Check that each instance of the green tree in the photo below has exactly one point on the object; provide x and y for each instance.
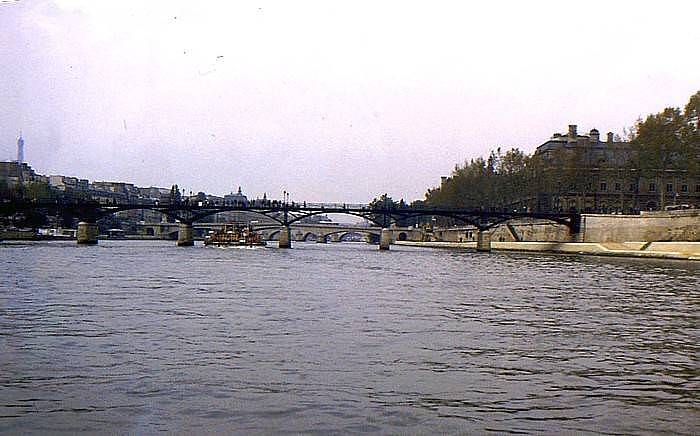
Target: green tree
(494, 182)
(382, 202)
(690, 133)
(660, 146)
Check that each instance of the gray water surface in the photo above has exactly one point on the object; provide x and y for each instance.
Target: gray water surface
(141, 337)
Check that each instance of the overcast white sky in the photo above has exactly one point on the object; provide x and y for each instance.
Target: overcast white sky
(331, 101)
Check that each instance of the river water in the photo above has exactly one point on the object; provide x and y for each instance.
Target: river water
(141, 337)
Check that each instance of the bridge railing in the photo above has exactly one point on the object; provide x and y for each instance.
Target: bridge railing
(292, 207)
(337, 205)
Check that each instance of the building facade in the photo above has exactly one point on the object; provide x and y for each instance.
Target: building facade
(14, 174)
(584, 174)
(66, 183)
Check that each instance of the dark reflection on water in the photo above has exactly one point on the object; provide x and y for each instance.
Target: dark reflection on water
(139, 337)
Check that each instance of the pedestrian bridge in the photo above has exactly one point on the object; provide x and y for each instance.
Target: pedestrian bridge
(288, 219)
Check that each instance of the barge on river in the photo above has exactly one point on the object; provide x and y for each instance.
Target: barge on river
(235, 235)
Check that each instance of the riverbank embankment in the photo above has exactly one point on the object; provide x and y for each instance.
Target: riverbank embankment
(659, 250)
(680, 226)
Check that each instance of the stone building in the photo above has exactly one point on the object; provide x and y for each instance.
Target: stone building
(240, 199)
(586, 174)
(66, 183)
(13, 174)
(236, 199)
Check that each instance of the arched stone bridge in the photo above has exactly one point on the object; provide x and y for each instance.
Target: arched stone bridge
(299, 232)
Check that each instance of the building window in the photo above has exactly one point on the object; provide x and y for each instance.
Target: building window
(669, 187)
(652, 187)
(684, 188)
(603, 186)
(618, 187)
(633, 187)
(697, 188)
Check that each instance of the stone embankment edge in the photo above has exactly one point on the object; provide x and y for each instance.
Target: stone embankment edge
(657, 250)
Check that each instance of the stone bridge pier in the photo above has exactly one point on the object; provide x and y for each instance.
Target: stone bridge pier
(185, 235)
(87, 233)
(285, 238)
(575, 229)
(483, 240)
(385, 239)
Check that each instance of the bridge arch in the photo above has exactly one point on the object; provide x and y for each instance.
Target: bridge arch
(316, 235)
(273, 236)
(178, 212)
(494, 219)
(344, 232)
(365, 215)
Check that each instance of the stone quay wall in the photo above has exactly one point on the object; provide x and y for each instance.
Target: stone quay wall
(649, 227)
(681, 225)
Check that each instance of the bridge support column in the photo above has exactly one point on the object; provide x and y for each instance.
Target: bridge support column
(320, 239)
(483, 240)
(576, 230)
(576, 237)
(285, 239)
(385, 239)
(185, 235)
(87, 233)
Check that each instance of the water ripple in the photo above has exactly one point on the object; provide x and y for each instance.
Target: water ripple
(142, 337)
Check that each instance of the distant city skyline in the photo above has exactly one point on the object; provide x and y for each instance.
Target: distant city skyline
(330, 102)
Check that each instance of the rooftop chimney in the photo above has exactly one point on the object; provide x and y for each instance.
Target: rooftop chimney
(595, 135)
(572, 132)
(610, 137)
